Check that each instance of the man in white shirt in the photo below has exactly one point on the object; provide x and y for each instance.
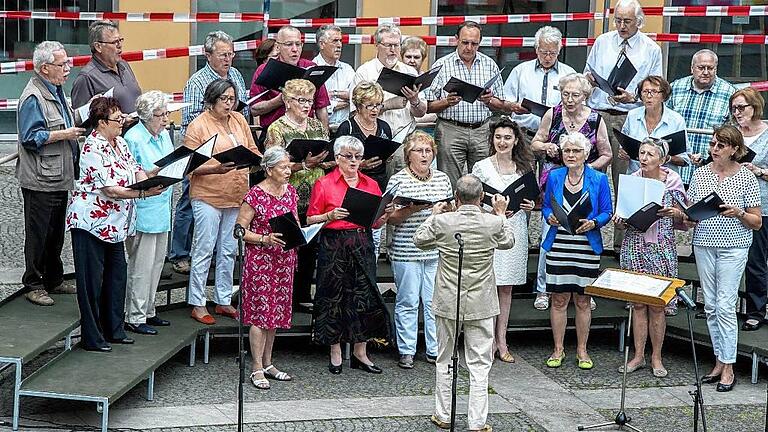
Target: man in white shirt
(537, 79)
(627, 42)
(339, 84)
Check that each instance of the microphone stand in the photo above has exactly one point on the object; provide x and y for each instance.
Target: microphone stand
(698, 398)
(455, 357)
(239, 234)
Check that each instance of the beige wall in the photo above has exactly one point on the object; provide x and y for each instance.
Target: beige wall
(392, 8)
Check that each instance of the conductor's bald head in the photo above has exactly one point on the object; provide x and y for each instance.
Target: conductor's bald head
(469, 190)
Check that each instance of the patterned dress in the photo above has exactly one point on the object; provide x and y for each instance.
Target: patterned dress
(557, 128)
(267, 282)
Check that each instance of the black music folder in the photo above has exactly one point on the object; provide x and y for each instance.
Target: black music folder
(707, 207)
(299, 149)
(570, 220)
(378, 146)
(200, 155)
(406, 201)
(749, 157)
(240, 155)
(468, 92)
(535, 108)
(276, 73)
(677, 143)
(393, 81)
(365, 208)
(167, 176)
(292, 234)
(526, 187)
(645, 217)
(620, 76)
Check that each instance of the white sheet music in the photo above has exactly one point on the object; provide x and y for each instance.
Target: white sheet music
(631, 283)
(635, 192)
(85, 110)
(401, 134)
(207, 148)
(175, 169)
(311, 231)
(176, 106)
(250, 101)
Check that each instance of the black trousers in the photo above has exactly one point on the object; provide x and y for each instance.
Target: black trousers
(100, 272)
(757, 273)
(306, 259)
(44, 214)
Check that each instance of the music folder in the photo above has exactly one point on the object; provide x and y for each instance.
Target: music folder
(365, 208)
(292, 234)
(620, 76)
(200, 155)
(299, 149)
(535, 108)
(276, 73)
(676, 141)
(378, 146)
(393, 81)
(468, 92)
(749, 157)
(645, 217)
(569, 221)
(240, 155)
(707, 207)
(526, 187)
(407, 201)
(167, 176)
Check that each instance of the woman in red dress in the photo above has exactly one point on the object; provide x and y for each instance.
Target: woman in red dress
(267, 278)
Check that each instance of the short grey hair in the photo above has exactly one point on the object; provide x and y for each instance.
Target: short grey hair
(577, 139)
(639, 14)
(322, 32)
(216, 36)
(44, 53)
(548, 35)
(148, 102)
(386, 28)
(347, 142)
(469, 189)
(579, 79)
(273, 156)
(701, 53)
(96, 32)
(286, 29)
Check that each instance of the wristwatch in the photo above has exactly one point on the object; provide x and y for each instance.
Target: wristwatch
(595, 221)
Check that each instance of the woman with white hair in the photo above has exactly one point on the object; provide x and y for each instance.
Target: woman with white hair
(267, 280)
(348, 305)
(573, 260)
(148, 141)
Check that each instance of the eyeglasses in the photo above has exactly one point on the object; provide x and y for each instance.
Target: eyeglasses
(67, 64)
(114, 42)
(371, 107)
(424, 151)
(225, 55)
(119, 120)
(302, 101)
(390, 45)
(225, 98)
(717, 145)
(650, 92)
(626, 21)
(351, 157)
(162, 114)
(702, 68)
(739, 108)
(565, 95)
(573, 150)
(469, 43)
(547, 53)
(296, 44)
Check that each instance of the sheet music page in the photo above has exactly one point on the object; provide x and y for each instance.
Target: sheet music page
(176, 106)
(207, 148)
(635, 192)
(175, 169)
(631, 283)
(311, 231)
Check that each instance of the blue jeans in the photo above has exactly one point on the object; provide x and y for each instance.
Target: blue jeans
(415, 280)
(183, 226)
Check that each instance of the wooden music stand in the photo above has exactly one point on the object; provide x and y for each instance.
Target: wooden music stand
(631, 287)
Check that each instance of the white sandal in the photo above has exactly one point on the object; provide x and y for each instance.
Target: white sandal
(259, 383)
(280, 376)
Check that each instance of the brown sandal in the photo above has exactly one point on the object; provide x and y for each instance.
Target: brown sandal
(506, 357)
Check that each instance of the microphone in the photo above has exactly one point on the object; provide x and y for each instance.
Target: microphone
(457, 236)
(239, 232)
(690, 304)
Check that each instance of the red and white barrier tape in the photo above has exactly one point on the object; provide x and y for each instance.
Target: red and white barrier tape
(213, 17)
(12, 104)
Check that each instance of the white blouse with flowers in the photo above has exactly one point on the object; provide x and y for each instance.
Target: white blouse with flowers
(109, 219)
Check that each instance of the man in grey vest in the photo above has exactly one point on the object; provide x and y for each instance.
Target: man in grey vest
(46, 168)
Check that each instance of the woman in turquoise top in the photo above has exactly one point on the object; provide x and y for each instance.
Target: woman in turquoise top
(148, 141)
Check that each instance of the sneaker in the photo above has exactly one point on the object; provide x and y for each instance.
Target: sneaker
(592, 304)
(66, 287)
(406, 361)
(181, 266)
(39, 297)
(542, 301)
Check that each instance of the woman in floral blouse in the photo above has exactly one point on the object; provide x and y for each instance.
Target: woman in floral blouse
(100, 215)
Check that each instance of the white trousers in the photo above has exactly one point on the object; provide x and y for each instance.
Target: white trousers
(146, 254)
(213, 229)
(478, 356)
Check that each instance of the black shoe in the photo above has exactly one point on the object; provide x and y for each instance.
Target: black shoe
(103, 348)
(700, 315)
(158, 322)
(710, 379)
(751, 327)
(140, 329)
(722, 388)
(332, 368)
(355, 363)
(123, 341)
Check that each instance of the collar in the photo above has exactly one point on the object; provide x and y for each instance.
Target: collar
(103, 68)
(209, 70)
(54, 89)
(664, 116)
(458, 60)
(469, 208)
(554, 66)
(320, 61)
(631, 42)
(141, 134)
(711, 88)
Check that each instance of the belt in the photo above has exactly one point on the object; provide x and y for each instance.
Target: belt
(462, 124)
(613, 112)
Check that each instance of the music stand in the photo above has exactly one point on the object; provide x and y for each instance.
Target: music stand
(631, 287)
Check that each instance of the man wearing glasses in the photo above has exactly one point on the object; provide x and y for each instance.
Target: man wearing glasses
(702, 99)
(46, 168)
(537, 79)
(338, 85)
(270, 106)
(106, 69)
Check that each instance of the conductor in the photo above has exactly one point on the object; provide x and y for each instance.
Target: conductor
(482, 234)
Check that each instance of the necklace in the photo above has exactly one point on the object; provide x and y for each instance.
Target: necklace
(570, 119)
(512, 165)
(568, 177)
(370, 129)
(302, 125)
(421, 178)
